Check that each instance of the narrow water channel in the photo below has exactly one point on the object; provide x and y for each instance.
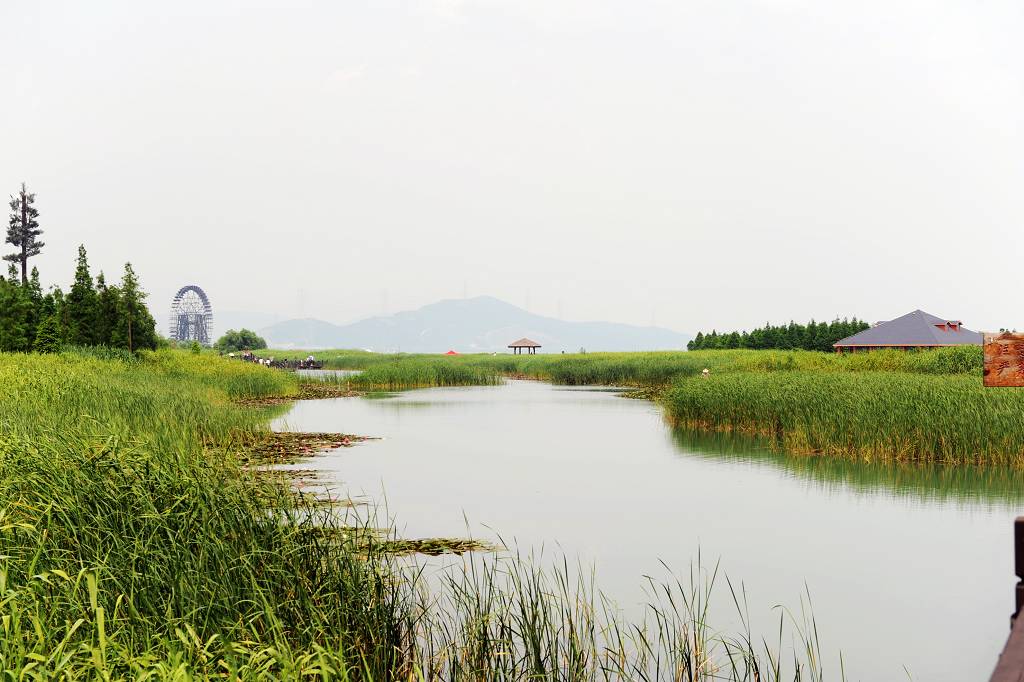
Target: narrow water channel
(910, 570)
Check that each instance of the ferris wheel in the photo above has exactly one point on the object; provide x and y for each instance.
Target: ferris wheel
(191, 316)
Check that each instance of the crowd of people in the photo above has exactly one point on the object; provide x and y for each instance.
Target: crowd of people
(310, 362)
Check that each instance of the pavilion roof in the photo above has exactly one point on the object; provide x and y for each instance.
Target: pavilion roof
(916, 328)
(524, 343)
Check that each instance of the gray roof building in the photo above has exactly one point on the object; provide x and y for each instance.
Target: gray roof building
(913, 330)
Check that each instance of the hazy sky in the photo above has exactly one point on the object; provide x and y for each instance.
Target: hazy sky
(701, 164)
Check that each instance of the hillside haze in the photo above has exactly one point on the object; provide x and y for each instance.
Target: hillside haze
(473, 325)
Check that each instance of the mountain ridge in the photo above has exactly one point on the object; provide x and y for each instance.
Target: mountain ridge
(479, 324)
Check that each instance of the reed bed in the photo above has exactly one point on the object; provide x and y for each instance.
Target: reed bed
(134, 545)
(894, 416)
(421, 372)
(659, 369)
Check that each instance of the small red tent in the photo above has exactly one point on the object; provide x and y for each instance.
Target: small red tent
(451, 352)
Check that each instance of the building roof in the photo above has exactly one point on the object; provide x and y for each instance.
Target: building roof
(914, 329)
(524, 343)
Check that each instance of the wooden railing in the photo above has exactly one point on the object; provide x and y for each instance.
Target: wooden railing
(1010, 667)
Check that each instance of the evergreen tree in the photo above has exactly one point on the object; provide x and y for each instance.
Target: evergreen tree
(14, 314)
(53, 305)
(108, 304)
(813, 336)
(135, 328)
(81, 305)
(34, 293)
(48, 335)
(23, 231)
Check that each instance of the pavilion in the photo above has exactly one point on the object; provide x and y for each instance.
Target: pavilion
(524, 344)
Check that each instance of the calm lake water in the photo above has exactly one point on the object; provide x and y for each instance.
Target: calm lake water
(907, 568)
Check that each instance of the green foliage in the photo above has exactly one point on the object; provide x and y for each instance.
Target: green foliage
(195, 348)
(133, 328)
(15, 317)
(418, 372)
(107, 301)
(898, 416)
(244, 339)
(48, 337)
(23, 231)
(817, 336)
(82, 305)
(93, 313)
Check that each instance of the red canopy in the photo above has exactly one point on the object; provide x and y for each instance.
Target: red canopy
(451, 352)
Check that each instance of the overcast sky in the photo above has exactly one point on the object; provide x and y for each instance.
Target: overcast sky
(698, 164)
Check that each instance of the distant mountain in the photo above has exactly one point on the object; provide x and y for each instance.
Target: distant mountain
(223, 320)
(481, 324)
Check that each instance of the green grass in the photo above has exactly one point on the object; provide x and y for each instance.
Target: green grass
(132, 541)
(655, 369)
(135, 545)
(899, 416)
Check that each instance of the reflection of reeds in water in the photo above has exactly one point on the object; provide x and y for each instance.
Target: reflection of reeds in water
(973, 484)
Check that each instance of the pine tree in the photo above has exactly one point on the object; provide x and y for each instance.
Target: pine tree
(135, 328)
(108, 304)
(14, 312)
(23, 231)
(80, 306)
(34, 293)
(48, 336)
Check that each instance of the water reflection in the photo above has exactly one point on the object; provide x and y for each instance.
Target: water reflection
(970, 485)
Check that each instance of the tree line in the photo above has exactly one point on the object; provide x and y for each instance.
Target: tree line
(91, 313)
(811, 336)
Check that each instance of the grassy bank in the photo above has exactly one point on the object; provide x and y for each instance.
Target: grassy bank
(653, 369)
(136, 546)
(895, 416)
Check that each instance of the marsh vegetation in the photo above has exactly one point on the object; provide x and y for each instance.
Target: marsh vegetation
(137, 543)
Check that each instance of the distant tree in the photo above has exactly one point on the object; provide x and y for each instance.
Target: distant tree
(195, 348)
(244, 339)
(14, 317)
(813, 336)
(135, 328)
(108, 303)
(34, 293)
(48, 336)
(81, 305)
(23, 231)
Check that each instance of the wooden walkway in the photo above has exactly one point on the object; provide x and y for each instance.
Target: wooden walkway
(1010, 667)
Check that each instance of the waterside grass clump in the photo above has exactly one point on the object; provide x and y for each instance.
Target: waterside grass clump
(133, 544)
(646, 369)
(895, 416)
